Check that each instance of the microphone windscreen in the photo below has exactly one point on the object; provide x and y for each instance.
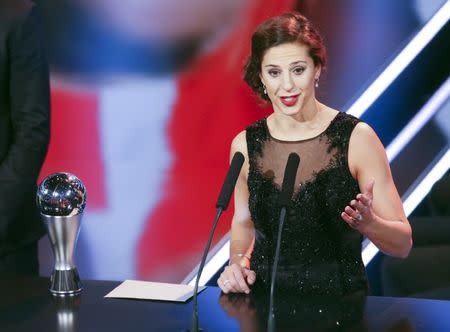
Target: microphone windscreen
(287, 188)
(230, 181)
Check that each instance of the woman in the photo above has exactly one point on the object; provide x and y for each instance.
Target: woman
(344, 188)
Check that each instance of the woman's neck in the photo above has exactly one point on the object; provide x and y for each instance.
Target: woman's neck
(309, 117)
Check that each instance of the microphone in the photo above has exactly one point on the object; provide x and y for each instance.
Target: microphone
(230, 181)
(287, 189)
(221, 205)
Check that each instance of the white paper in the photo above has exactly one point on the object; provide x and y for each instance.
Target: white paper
(147, 290)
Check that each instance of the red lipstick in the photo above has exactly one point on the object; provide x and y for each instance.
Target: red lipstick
(289, 100)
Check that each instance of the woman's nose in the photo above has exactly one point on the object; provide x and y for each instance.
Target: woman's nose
(288, 82)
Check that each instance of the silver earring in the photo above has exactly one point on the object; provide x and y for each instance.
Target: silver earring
(316, 83)
(264, 89)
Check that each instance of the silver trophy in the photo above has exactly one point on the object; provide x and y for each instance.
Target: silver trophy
(61, 198)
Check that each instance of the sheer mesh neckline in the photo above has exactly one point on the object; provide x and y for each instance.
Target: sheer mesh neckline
(304, 139)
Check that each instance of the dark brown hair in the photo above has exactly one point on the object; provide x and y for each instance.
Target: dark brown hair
(286, 28)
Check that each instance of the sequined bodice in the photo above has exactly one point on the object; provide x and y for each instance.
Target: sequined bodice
(320, 254)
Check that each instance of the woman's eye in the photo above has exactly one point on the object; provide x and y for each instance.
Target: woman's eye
(299, 70)
(273, 73)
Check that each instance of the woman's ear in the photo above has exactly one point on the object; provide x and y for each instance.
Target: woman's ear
(317, 70)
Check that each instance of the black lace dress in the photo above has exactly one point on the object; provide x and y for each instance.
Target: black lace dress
(320, 254)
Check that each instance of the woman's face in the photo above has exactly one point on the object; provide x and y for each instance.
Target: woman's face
(288, 72)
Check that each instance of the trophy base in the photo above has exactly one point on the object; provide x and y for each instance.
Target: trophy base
(65, 283)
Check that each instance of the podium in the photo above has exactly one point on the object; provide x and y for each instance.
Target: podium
(26, 305)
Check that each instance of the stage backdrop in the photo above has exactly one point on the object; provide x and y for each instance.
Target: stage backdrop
(146, 98)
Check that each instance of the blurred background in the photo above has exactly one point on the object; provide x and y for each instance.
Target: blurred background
(148, 94)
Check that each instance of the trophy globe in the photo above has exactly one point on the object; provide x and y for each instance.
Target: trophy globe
(61, 199)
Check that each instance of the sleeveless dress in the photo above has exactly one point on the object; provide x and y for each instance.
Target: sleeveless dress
(319, 254)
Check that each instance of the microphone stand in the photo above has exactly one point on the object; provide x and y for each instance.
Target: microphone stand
(221, 205)
(271, 319)
(194, 326)
(287, 190)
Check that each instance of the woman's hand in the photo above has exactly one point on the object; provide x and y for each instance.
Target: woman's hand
(236, 279)
(359, 212)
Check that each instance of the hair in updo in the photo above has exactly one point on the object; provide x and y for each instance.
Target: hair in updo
(286, 28)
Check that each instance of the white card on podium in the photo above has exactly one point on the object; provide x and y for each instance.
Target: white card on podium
(147, 290)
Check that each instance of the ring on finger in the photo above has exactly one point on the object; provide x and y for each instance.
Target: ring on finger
(358, 217)
(226, 281)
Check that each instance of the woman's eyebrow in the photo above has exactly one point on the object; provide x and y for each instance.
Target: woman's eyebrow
(292, 64)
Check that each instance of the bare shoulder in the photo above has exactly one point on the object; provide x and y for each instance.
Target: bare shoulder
(364, 135)
(239, 143)
(365, 149)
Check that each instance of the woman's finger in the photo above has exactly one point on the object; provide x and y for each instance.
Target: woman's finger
(364, 199)
(351, 211)
(241, 283)
(238, 275)
(223, 286)
(250, 276)
(359, 207)
(230, 281)
(349, 220)
(369, 188)
(223, 282)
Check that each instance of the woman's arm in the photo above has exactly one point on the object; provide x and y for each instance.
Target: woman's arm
(383, 219)
(242, 228)
(237, 276)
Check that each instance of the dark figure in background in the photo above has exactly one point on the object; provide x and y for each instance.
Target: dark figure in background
(344, 188)
(431, 252)
(24, 134)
